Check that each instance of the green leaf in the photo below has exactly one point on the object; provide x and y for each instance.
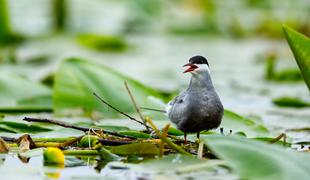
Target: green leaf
(236, 123)
(15, 127)
(256, 160)
(107, 155)
(76, 80)
(177, 163)
(290, 102)
(300, 44)
(136, 134)
(135, 149)
(22, 95)
(102, 42)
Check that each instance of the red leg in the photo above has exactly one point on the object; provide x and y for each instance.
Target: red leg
(185, 139)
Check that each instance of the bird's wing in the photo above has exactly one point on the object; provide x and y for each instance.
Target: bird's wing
(173, 101)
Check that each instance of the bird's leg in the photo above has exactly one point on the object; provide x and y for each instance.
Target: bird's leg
(185, 139)
(198, 135)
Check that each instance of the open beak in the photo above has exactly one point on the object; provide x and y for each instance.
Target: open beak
(191, 67)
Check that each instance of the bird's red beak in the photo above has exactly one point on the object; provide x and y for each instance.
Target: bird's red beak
(192, 67)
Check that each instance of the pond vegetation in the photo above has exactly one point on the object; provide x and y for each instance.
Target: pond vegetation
(84, 85)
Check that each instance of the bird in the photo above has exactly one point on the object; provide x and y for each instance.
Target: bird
(198, 107)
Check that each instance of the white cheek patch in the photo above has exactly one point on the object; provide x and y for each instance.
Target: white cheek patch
(202, 68)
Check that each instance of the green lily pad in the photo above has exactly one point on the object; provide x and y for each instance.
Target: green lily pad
(102, 42)
(300, 44)
(177, 163)
(19, 94)
(77, 79)
(135, 149)
(290, 102)
(15, 127)
(256, 160)
(237, 123)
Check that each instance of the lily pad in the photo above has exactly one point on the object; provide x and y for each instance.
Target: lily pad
(16, 127)
(290, 102)
(177, 163)
(237, 123)
(77, 79)
(300, 46)
(135, 149)
(256, 160)
(19, 94)
(102, 42)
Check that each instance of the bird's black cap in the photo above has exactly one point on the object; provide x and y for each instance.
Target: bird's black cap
(198, 60)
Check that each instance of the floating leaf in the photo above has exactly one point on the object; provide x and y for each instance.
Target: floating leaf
(300, 46)
(136, 134)
(76, 80)
(256, 160)
(236, 123)
(22, 95)
(135, 149)
(106, 155)
(290, 102)
(15, 127)
(102, 42)
(177, 163)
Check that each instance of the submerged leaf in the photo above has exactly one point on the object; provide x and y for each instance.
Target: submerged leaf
(300, 46)
(76, 80)
(256, 160)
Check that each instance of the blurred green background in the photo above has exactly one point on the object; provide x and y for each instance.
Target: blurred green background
(53, 53)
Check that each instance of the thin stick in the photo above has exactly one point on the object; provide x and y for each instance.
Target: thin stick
(152, 109)
(106, 103)
(84, 129)
(136, 106)
(162, 143)
(282, 135)
(166, 140)
(200, 150)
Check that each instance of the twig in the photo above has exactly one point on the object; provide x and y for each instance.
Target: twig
(136, 106)
(162, 143)
(106, 103)
(84, 129)
(200, 150)
(282, 135)
(152, 109)
(166, 140)
(113, 142)
(9, 139)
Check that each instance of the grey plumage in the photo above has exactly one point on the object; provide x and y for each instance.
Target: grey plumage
(199, 107)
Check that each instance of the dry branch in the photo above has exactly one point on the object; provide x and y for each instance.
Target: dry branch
(114, 108)
(84, 129)
(136, 106)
